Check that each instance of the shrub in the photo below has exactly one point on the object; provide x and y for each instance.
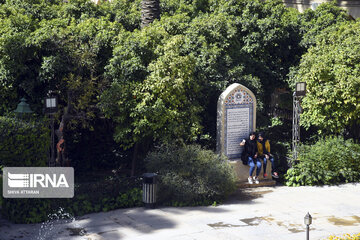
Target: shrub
(26, 210)
(329, 161)
(23, 143)
(345, 237)
(190, 175)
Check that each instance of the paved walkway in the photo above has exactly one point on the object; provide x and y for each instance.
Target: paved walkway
(274, 213)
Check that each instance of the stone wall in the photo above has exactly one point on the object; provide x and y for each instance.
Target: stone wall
(352, 7)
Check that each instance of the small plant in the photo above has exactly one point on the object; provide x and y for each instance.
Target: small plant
(276, 121)
(329, 161)
(345, 237)
(190, 175)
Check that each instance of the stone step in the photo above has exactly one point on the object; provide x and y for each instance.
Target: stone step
(262, 183)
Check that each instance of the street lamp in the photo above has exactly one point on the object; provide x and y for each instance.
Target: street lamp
(307, 221)
(51, 104)
(300, 91)
(23, 107)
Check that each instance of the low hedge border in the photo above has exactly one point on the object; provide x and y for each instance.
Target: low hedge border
(345, 237)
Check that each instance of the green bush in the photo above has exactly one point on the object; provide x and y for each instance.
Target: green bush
(190, 175)
(23, 143)
(89, 197)
(346, 236)
(26, 210)
(331, 160)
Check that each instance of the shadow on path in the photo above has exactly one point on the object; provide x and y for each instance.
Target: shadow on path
(115, 224)
(247, 195)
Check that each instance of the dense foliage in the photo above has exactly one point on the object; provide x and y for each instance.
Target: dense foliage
(124, 89)
(157, 83)
(331, 70)
(63, 47)
(49, 45)
(312, 23)
(190, 175)
(167, 77)
(331, 160)
(23, 143)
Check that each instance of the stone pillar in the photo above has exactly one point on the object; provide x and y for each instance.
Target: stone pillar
(236, 118)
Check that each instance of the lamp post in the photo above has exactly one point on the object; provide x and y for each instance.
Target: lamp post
(51, 104)
(300, 91)
(23, 107)
(307, 221)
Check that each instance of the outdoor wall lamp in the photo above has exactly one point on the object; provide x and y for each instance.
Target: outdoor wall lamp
(307, 221)
(23, 107)
(300, 89)
(51, 104)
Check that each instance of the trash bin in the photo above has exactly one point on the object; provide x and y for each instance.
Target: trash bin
(149, 189)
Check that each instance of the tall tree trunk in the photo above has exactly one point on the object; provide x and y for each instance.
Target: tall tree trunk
(150, 10)
(62, 156)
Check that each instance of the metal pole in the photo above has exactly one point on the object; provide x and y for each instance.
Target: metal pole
(296, 127)
(52, 147)
(307, 232)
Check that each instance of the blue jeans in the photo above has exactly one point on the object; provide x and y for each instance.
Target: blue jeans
(251, 163)
(271, 158)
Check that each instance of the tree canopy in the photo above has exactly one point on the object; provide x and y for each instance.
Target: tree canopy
(331, 70)
(162, 82)
(199, 47)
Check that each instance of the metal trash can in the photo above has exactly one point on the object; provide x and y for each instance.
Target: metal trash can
(149, 189)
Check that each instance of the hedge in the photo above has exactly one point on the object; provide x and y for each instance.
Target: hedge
(24, 143)
(331, 160)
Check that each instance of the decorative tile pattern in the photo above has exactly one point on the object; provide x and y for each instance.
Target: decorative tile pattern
(237, 97)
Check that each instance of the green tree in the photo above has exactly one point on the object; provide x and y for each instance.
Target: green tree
(165, 105)
(125, 12)
(228, 41)
(58, 46)
(309, 25)
(161, 106)
(331, 70)
(43, 44)
(250, 42)
(313, 22)
(16, 67)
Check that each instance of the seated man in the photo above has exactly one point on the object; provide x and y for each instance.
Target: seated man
(263, 146)
(250, 155)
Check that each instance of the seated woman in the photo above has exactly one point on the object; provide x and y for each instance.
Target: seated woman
(263, 146)
(250, 155)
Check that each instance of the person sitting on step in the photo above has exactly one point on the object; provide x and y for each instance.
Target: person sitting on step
(263, 146)
(250, 157)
